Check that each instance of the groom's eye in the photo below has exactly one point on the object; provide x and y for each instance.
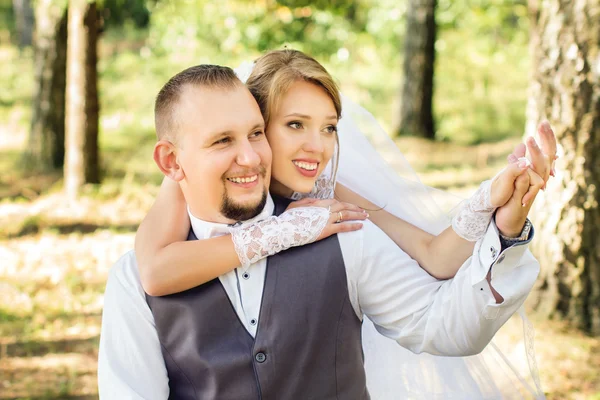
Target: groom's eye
(257, 134)
(222, 141)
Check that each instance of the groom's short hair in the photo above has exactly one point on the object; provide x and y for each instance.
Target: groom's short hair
(204, 75)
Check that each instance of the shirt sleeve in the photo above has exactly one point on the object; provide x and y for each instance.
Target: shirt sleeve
(455, 317)
(130, 362)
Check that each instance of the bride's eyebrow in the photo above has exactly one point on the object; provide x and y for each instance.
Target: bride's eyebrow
(304, 116)
(298, 115)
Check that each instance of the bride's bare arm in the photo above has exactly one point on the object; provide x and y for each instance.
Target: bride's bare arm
(441, 256)
(170, 264)
(166, 261)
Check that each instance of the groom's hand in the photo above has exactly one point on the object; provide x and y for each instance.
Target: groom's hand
(510, 218)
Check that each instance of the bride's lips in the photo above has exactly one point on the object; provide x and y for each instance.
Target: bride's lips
(306, 167)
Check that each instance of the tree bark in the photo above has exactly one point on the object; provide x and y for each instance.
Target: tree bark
(416, 112)
(565, 89)
(45, 150)
(81, 158)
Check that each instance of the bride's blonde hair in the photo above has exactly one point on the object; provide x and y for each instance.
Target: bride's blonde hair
(275, 72)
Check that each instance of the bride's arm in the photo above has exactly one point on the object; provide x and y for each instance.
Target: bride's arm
(170, 264)
(166, 261)
(441, 256)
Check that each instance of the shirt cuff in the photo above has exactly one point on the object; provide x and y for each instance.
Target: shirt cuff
(490, 255)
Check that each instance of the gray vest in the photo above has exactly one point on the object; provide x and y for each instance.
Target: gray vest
(307, 345)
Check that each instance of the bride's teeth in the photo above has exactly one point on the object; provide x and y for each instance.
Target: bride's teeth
(306, 166)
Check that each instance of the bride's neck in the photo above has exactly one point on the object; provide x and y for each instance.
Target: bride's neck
(280, 189)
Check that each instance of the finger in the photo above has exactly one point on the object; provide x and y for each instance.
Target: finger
(503, 184)
(324, 203)
(535, 184)
(547, 139)
(520, 150)
(353, 215)
(512, 158)
(521, 186)
(346, 227)
(537, 158)
(340, 206)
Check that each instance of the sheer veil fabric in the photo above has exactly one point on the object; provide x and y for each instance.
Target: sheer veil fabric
(372, 166)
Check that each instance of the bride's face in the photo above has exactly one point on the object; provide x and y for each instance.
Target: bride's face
(302, 134)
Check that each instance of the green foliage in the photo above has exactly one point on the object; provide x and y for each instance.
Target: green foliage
(116, 13)
(7, 21)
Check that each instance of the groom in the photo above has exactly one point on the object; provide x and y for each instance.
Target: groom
(305, 342)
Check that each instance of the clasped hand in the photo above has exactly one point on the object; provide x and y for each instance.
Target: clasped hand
(515, 188)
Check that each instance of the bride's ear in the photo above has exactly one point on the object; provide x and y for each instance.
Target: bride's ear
(165, 156)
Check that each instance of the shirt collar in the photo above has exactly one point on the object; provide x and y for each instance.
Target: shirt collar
(204, 229)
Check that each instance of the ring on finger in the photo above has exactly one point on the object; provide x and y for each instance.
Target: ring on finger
(340, 217)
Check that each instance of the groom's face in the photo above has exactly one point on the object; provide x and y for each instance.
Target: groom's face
(223, 152)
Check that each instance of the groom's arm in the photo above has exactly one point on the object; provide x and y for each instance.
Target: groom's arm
(453, 317)
(130, 362)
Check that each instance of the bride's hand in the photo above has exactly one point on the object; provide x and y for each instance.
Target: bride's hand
(338, 212)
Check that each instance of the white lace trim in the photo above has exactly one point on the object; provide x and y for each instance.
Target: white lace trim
(295, 227)
(474, 214)
(323, 189)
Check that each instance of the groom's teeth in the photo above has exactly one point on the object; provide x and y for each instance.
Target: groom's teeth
(243, 180)
(305, 165)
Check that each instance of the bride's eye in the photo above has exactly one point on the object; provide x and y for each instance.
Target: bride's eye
(295, 125)
(331, 129)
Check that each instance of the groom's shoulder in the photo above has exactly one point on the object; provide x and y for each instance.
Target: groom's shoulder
(125, 272)
(371, 235)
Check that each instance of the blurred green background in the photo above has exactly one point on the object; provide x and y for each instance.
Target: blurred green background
(55, 254)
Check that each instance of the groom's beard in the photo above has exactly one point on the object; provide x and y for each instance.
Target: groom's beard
(240, 212)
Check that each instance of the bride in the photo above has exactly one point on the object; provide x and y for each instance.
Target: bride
(356, 174)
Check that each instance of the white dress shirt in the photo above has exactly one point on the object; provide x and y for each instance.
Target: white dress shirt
(453, 317)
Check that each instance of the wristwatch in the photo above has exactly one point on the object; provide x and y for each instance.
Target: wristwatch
(509, 241)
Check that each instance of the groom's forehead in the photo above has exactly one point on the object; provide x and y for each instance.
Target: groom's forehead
(219, 110)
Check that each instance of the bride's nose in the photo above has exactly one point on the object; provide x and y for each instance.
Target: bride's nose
(313, 142)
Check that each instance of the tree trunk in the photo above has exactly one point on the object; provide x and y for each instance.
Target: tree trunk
(24, 22)
(81, 159)
(45, 148)
(416, 112)
(565, 89)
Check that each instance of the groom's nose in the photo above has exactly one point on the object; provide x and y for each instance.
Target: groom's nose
(247, 155)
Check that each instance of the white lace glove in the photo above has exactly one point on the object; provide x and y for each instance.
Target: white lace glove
(323, 189)
(295, 227)
(474, 214)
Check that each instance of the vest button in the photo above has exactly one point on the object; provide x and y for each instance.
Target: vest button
(260, 357)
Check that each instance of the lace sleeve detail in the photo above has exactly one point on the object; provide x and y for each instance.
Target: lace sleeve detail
(474, 214)
(295, 227)
(323, 189)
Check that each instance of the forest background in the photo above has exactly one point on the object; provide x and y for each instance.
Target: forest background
(494, 68)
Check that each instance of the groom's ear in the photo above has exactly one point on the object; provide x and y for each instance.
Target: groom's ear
(165, 156)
